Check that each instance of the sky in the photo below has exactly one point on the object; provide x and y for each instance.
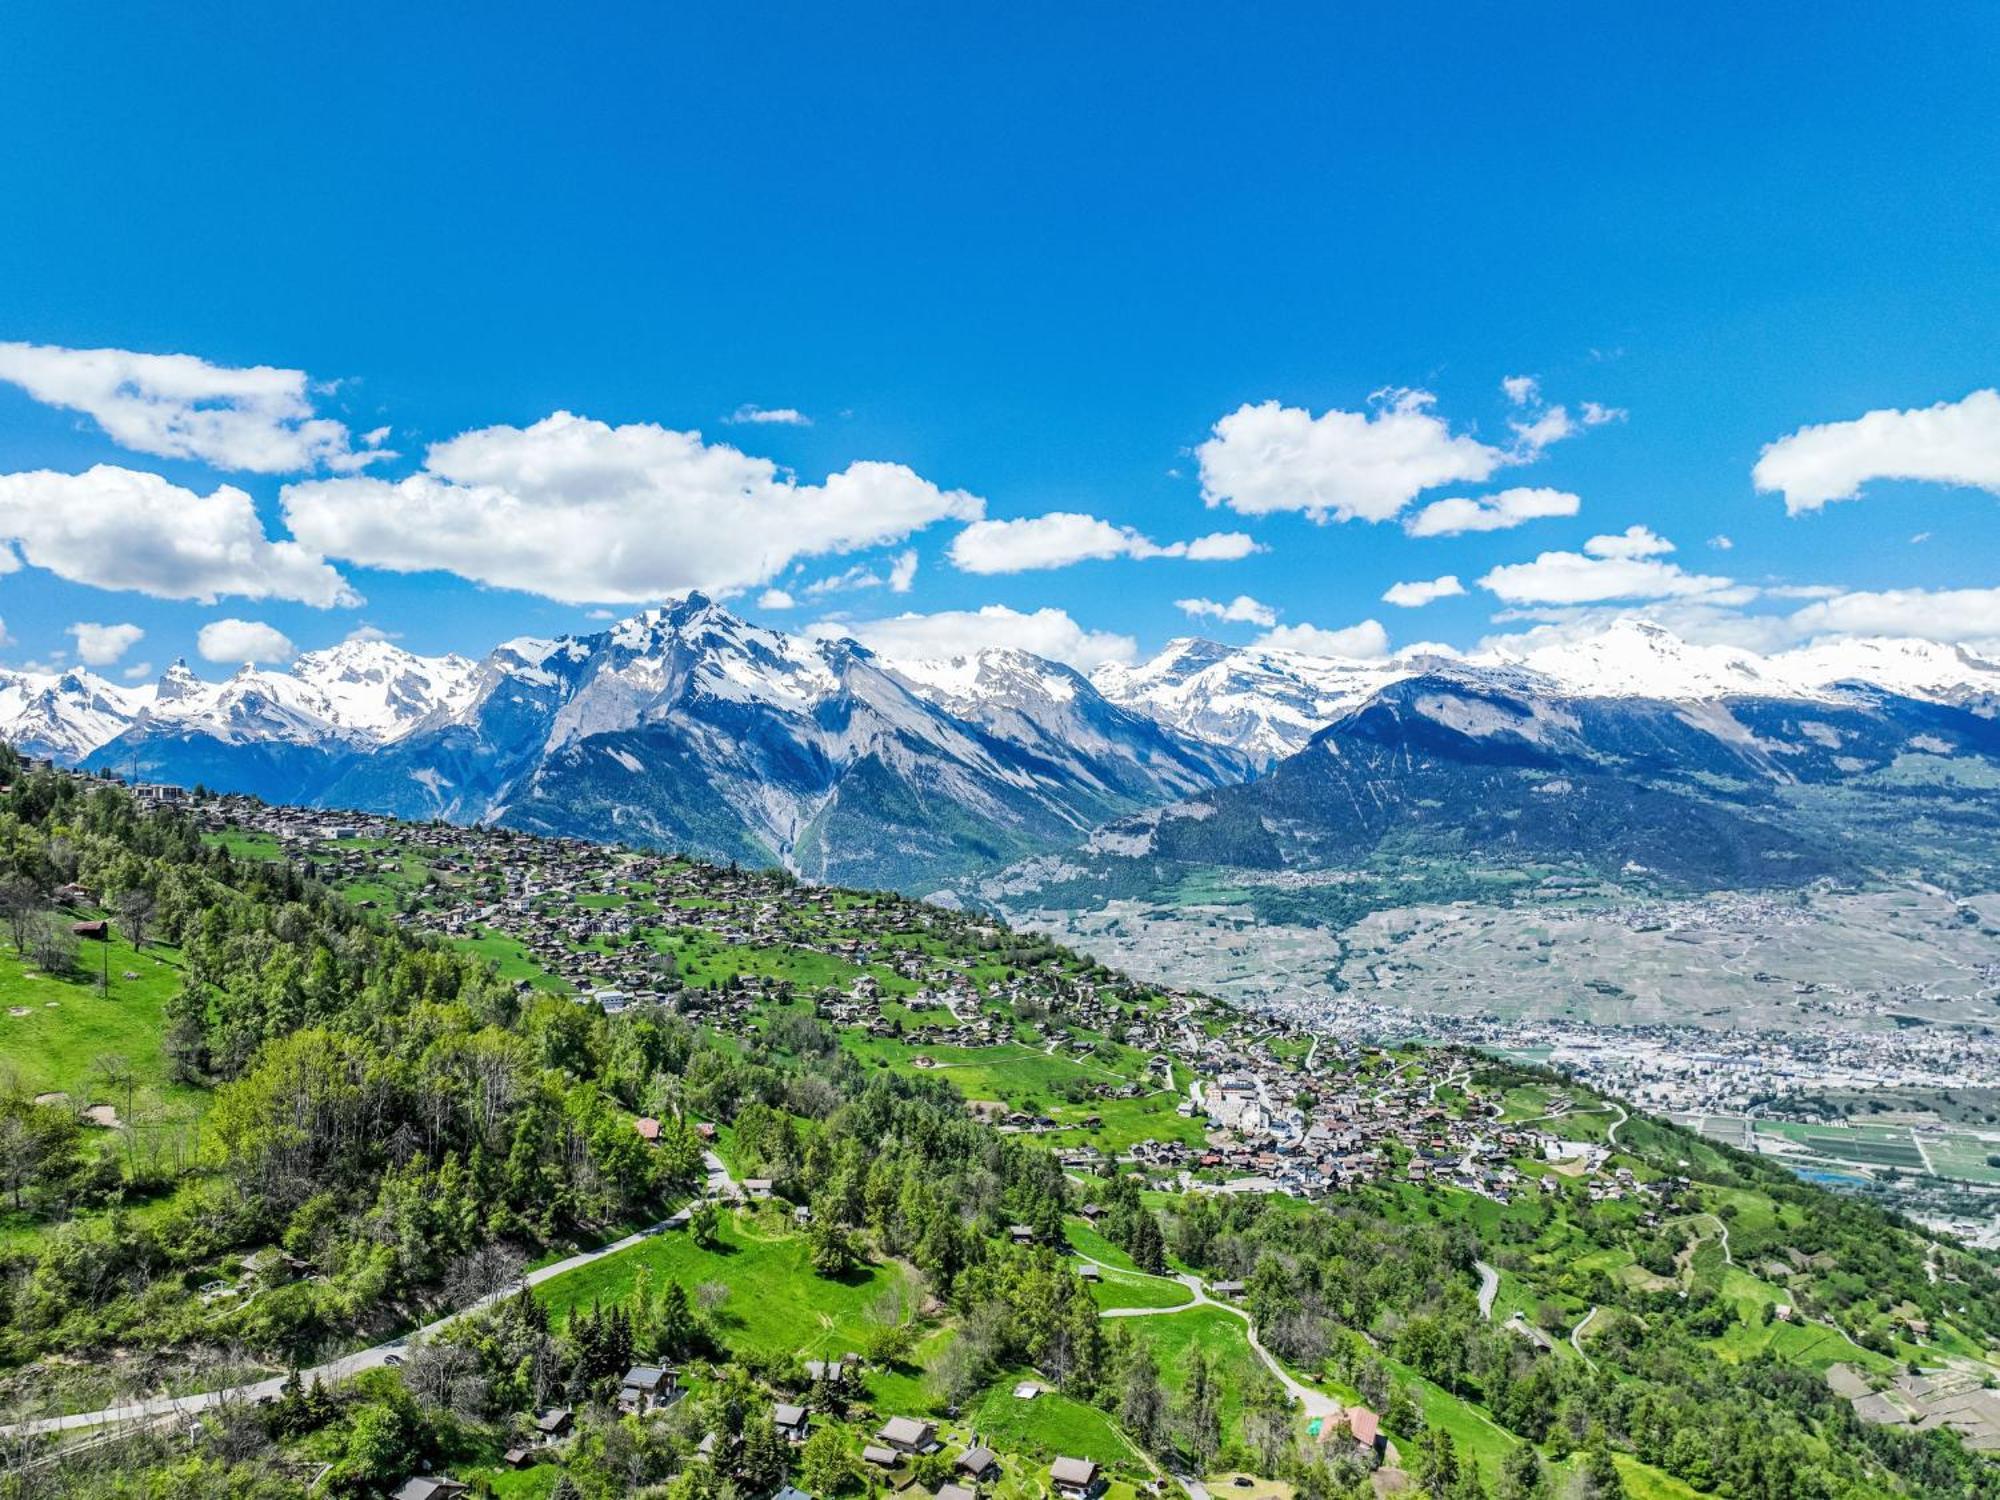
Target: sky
(1075, 328)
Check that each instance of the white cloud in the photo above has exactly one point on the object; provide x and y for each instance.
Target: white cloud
(237, 642)
(1953, 442)
(1062, 537)
(903, 572)
(1633, 541)
(1623, 565)
(177, 406)
(1498, 512)
(1242, 610)
(1522, 390)
(364, 632)
(775, 599)
(101, 645)
(960, 632)
(1932, 614)
(1365, 641)
(579, 511)
(1339, 465)
(116, 528)
(139, 671)
(1419, 592)
(1596, 415)
(768, 416)
(1720, 542)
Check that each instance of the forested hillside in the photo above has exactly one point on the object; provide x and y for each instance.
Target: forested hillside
(301, 1095)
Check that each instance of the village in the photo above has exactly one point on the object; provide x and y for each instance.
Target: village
(1268, 1107)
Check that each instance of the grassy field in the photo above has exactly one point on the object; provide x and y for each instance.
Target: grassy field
(776, 1304)
(1051, 1425)
(54, 1030)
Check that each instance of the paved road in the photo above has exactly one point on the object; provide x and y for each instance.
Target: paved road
(720, 1185)
(1576, 1337)
(1611, 1135)
(1489, 1284)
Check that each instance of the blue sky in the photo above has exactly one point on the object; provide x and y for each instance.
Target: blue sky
(1006, 265)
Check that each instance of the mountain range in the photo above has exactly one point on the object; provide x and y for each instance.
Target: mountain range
(686, 727)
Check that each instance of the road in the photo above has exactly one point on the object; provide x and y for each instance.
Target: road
(1315, 1403)
(720, 1185)
(1576, 1337)
(1611, 1135)
(1489, 1284)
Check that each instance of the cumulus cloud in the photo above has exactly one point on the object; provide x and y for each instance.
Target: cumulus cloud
(768, 416)
(1419, 592)
(258, 419)
(775, 599)
(1242, 610)
(1339, 465)
(101, 645)
(1497, 512)
(243, 642)
(903, 572)
(1366, 641)
(1933, 614)
(1623, 565)
(583, 512)
(1062, 537)
(116, 528)
(960, 632)
(139, 671)
(1633, 541)
(1953, 442)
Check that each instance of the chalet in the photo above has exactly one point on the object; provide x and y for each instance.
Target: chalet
(554, 1422)
(908, 1435)
(956, 1492)
(1021, 1234)
(645, 1388)
(758, 1188)
(518, 1457)
(881, 1457)
(1366, 1429)
(978, 1463)
(792, 1421)
(1074, 1478)
(427, 1487)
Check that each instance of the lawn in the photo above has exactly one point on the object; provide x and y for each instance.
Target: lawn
(777, 1305)
(1220, 1336)
(53, 1031)
(1051, 1425)
(1123, 1289)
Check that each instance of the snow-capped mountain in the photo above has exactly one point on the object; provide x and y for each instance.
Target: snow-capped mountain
(1268, 704)
(64, 715)
(1263, 703)
(686, 727)
(1467, 772)
(1055, 712)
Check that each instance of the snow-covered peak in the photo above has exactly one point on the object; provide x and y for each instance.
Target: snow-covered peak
(177, 683)
(64, 715)
(377, 689)
(1913, 668)
(1634, 658)
(998, 675)
(1263, 702)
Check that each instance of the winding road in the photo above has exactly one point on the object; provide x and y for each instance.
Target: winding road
(1315, 1403)
(1489, 1285)
(720, 1185)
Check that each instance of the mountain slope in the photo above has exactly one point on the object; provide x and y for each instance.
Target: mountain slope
(1503, 768)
